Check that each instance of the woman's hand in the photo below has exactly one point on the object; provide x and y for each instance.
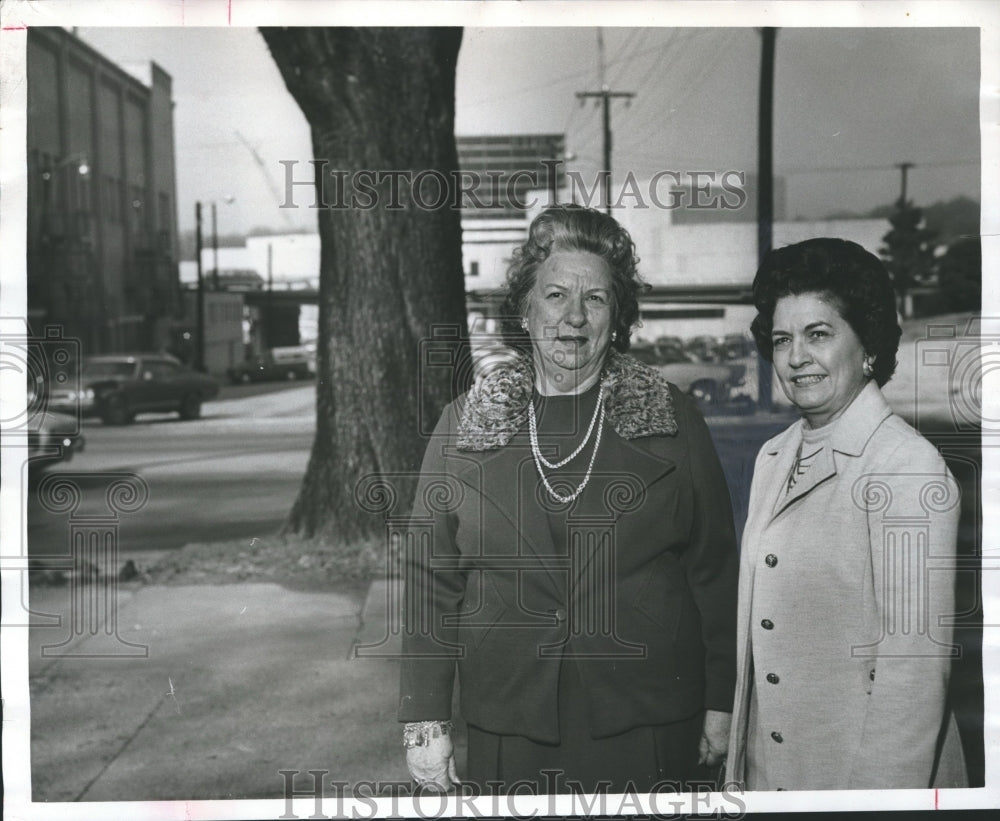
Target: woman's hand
(714, 738)
(431, 761)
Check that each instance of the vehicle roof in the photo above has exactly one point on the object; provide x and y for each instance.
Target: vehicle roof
(130, 357)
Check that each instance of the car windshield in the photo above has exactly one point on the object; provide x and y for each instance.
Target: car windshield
(645, 355)
(103, 369)
(670, 356)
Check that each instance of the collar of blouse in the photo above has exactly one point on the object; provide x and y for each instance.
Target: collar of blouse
(637, 403)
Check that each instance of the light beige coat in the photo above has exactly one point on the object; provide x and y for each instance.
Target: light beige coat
(846, 584)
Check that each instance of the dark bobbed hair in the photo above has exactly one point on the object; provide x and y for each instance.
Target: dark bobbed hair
(574, 228)
(856, 281)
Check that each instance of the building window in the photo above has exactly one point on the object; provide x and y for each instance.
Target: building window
(135, 199)
(112, 199)
(163, 211)
(83, 202)
(474, 268)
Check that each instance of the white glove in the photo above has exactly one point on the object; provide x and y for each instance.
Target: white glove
(431, 757)
(715, 738)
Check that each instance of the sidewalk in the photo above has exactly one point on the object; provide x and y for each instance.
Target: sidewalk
(241, 681)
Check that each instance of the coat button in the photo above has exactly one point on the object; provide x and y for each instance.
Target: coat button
(560, 614)
(773, 678)
(767, 624)
(770, 560)
(871, 675)
(777, 737)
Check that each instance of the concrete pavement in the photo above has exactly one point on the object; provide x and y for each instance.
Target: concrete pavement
(208, 691)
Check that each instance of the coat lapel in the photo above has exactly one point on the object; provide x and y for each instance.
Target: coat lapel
(821, 469)
(513, 497)
(614, 493)
(638, 406)
(848, 439)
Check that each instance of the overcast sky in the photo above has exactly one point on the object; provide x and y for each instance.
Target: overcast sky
(849, 104)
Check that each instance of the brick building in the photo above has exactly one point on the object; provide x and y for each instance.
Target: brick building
(102, 197)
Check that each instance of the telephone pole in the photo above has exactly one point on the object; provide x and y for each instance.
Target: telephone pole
(215, 250)
(765, 185)
(903, 167)
(606, 95)
(200, 306)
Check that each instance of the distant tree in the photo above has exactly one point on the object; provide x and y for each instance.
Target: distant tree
(880, 212)
(960, 276)
(376, 100)
(952, 220)
(266, 231)
(908, 253)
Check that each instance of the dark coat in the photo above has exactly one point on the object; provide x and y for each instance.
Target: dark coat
(645, 600)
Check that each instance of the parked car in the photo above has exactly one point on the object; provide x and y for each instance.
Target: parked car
(663, 343)
(116, 387)
(709, 382)
(280, 363)
(703, 348)
(52, 437)
(737, 346)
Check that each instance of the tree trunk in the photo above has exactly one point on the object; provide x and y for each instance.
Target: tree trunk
(377, 101)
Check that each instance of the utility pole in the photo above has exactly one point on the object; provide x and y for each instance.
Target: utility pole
(200, 310)
(903, 167)
(606, 95)
(270, 297)
(215, 250)
(765, 185)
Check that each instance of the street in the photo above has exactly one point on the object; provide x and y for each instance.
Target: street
(234, 473)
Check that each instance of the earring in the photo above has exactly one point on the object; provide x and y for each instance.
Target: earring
(524, 324)
(867, 367)
(614, 336)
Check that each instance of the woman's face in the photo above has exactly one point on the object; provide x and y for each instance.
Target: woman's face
(570, 312)
(818, 358)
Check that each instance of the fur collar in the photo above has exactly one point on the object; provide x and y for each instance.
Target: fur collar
(637, 403)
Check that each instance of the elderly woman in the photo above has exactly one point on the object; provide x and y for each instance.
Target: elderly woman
(573, 549)
(846, 578)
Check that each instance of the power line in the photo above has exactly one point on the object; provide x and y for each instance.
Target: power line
(605, 95)
(575, 75)
(836, 169)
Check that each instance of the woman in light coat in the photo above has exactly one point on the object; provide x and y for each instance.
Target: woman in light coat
(847, 572)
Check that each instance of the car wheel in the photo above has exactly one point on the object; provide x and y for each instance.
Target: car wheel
(190, 406)
(704, 392)
(117, 411)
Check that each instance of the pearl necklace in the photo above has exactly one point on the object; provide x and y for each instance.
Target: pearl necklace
(597, 420)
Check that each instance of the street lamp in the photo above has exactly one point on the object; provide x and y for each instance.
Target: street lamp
(200, 313)
(199, 357)
(228, 199)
